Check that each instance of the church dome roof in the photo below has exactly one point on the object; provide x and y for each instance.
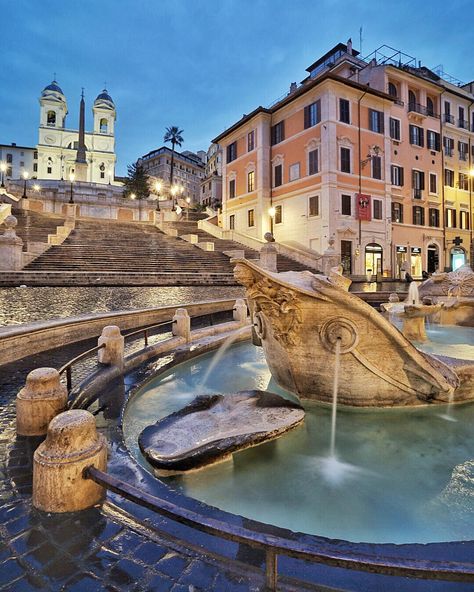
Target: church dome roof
(104, 100)
(53, 91)
(54, 86)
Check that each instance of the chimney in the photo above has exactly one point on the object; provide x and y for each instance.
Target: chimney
(349, 46)
(293, 87)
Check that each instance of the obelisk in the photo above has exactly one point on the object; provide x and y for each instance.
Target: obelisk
(80, 165)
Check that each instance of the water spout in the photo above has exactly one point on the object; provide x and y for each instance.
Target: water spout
(335, 389)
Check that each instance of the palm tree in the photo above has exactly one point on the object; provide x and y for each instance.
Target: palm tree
(173, 135)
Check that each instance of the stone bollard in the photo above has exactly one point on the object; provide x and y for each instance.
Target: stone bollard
(182, 324)
(72, 444)
(41, 399)
(240, 311)
(268, 257)
(113, 352)
(11, 247)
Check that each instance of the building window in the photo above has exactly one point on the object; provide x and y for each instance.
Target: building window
(416, 135)
(35, 167)
(312, 114)
(433, 214)
(232, 222)
(418, 183)
(103, 126)
(376, 167)
(397, 212)
(411, 101)
(313, 205)
(392, 90)
(232, 152)
(397, 175)
(345, 160)
(433, 183)
(448, 146)
(418, 215)
(232, 188)
(251, 218)
(448, 118)
(463, 182)
(344, 111)
(464, 220)
(463, 148)
(102, 170)
(461, 121)
(449, 177)
(313, 162)
(430, 106)
(22, 163)
(432, 140)
(450, 218)
(394, 128)
(278, 175)
(294, 171)
(278, 133)
(278, 215)
(35, 155)
(250, 181)
(251, 141)
(51, 118)
(376, 121)
(377, 209)
(346, 205)
(9, 158)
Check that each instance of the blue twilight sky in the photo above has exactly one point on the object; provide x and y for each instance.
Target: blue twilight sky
(199, 64)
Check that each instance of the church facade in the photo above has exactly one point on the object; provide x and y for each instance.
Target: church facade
(89, 156)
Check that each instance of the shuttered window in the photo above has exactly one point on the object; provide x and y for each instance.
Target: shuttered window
(312, 114)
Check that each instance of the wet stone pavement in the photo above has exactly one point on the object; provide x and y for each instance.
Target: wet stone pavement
(90, 550)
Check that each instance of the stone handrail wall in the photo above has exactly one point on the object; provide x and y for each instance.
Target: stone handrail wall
(5, 210)
(19, 341)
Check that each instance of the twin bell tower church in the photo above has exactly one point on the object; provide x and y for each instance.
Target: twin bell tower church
(63, 152)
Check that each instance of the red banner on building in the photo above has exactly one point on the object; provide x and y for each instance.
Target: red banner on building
(364, 209)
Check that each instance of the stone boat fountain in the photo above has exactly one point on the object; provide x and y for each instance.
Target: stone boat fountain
(301, 319)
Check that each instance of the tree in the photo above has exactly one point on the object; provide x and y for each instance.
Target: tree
(173, 135)
(137, 182)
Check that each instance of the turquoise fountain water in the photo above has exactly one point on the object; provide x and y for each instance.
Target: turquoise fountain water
(401, 475)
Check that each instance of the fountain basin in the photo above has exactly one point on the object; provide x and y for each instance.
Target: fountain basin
(212, 427)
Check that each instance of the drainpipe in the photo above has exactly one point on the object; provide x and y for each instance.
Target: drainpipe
(471, 181)
(359, 141)
(443, 213)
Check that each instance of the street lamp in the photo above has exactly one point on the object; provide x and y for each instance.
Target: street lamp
(71, 178)
(158, 187)
(133, 196)
(3, 170)
(36, 188)
(25, 177)
(271, 213)
(188, 201)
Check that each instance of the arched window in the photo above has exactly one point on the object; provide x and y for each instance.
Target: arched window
(411, 100)
(102, 170)
(49, 169)
(429, 106)
(51, 118)
(392, 89)
(103, 126)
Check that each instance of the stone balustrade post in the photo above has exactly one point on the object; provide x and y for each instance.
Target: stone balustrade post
(42, 398)
(113, 352)
(182, 324)
(240, 311)
(11, 247)
(268, 257)
(72, 444)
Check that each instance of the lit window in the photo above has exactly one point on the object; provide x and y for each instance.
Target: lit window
(313, 205)
(251, 181)
(251, 218)
(278, 215)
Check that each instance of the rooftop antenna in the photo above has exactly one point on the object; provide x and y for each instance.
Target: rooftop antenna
(360, 40)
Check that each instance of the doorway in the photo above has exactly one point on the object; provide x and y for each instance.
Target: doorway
(432, 258)
(373, 259)
(346, 256)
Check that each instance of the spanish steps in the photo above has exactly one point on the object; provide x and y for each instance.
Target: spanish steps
(34, 227)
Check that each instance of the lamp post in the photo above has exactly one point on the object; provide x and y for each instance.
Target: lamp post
(25, 175)
(188, 201)
(36, 188)
(271, 213)
(158, 187)
(71, 197)
(3, 170)
(174, 191)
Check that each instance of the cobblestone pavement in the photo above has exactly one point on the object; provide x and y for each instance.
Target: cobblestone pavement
(90, 550)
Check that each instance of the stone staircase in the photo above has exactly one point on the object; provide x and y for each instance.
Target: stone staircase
(185, 227)
(35, 228)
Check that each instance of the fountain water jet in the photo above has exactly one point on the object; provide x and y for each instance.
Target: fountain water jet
(337, 363)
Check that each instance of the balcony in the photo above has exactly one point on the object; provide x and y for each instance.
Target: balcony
(463, 124)
(417, 193)
(422, 110)
(448, 118)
